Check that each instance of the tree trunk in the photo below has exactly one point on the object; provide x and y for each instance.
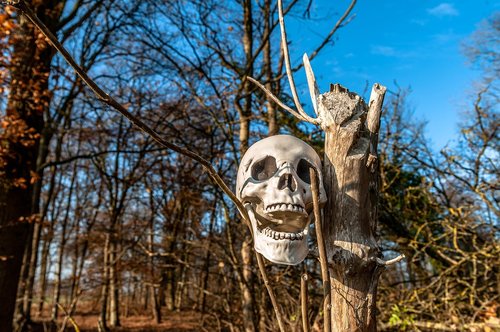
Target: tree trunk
(272, 123)
(247, 300)
(62, 247)
(155, 301)
(103, 319)
(43, 268)
(114, 287)
(206, 268)
(245, 114)
(27, 102)
(350, 214)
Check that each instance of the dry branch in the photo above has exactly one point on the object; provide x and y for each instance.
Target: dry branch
(325, 276)
(104, 97)
(303, 302)
(107, 99)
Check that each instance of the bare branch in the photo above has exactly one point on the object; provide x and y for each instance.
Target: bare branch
(284, 45)
(338, 25)
(325, 276)
(277, 101)
(390, 261)
(104, 97)
(373, 121)
(311, 82)
(303, 302)
(274, 302)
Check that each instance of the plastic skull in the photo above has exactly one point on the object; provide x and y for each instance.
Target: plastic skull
(274, 185)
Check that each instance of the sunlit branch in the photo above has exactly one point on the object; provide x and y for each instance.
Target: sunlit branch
(104, 97)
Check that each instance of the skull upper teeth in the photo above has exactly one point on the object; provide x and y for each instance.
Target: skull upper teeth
(282, 235)
(284, 207)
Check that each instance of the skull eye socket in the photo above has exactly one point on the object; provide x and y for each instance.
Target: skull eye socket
(303, 170)
(264, 169)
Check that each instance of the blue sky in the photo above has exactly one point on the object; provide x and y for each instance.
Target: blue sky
(416, 43)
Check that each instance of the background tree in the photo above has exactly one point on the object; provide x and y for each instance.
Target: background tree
(442, 210)
(126, 228)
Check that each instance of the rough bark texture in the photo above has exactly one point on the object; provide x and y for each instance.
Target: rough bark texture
(350, 212)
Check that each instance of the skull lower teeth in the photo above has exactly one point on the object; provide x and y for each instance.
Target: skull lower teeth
(282, 235)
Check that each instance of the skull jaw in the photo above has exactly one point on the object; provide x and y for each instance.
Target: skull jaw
(287, 252)
(278, 251)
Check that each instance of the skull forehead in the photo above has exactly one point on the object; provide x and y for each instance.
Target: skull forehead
(282, 147)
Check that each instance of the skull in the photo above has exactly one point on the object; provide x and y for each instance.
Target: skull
(274, 185)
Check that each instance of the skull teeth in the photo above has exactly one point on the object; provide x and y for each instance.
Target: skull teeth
(282, 235)
(285, 207)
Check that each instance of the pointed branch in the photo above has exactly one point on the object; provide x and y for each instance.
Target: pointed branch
(373, 121)
(325, 275)
(311, 83)
(105, 98)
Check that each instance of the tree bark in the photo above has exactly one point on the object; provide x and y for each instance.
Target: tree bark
(43, 267)
(27, 102)
(272, 123)
(245, 114)
(349, 224)
(114, 283)
(155, 301)
(247, 296)
(103, 318)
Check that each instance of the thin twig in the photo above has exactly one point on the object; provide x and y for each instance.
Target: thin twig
(325, 276)
(335, 28)
(276, 100)
(303, 302)
(390, 261)
(104, 97)
(274, 302)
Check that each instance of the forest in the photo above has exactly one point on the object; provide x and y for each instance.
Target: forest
(104, 229)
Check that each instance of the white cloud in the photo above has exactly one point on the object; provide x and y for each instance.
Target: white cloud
(383, 50)
(419, 22)
(446, 37)
(390, 51)
(443, 9)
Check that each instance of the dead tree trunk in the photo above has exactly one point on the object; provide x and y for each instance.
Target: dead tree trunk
(349, 223)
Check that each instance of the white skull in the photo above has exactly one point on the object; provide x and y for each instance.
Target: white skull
(274, 185)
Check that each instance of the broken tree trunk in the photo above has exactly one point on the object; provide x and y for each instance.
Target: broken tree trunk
(349, 223)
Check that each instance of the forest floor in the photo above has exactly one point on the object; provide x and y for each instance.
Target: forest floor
(88, 322)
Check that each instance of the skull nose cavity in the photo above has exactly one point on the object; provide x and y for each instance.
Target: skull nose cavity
(287, 181)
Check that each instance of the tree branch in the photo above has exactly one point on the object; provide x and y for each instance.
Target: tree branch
(104, 97)
(303, 302)
(325, 275)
